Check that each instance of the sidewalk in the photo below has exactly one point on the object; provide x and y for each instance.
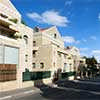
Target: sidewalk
(18, 92)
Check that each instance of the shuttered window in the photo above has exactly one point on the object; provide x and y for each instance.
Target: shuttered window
(11, 55)
(8, 55)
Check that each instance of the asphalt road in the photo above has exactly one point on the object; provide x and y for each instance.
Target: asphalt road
(36, 96)
(64, 93)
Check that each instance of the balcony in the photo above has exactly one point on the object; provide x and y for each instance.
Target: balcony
(9, 30)
(62, 51)
(9, 18)
(9, 12)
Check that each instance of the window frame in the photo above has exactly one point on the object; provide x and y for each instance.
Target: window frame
(25, 37)
(33, 65)
(42, 65)
(34, 43)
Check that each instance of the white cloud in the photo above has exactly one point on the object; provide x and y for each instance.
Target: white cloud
(84, 49)
(70, 39)
(34, 16)
(98, 58)
(84, 40)
(68, 3)
(49, 17)
(84, 52)
(99, 16)
(93, 38)
(89, 53)
(96, 52)
(90, 38)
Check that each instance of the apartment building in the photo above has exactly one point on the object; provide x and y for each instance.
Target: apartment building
(75, 53)
(27, 56)
(15, 48)
(16, 51)
(50, 54)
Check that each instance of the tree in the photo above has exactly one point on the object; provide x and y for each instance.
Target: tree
(90, 70)
(91, 61)
(82, 71)
(91, 66)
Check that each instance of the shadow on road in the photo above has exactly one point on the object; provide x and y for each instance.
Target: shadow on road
(54, 93)
(77, 85)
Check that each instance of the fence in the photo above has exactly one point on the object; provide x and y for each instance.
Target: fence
(67, 74)
(7, 72)
(28, 76)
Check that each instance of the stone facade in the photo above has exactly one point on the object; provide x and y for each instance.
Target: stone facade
(50, 51)
(41, 54)
(13, 34)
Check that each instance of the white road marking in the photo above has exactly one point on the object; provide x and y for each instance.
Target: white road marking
(10, 96)
(28, 91)
(6, 97)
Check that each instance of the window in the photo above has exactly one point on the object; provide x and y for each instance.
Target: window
(34, 65)
(34, 43)
(11, 55)
(54, 64)
(81, 61)
(55, 35)
(69, 57)
(34, 53)
(65, 56)
(65, 66)
(70, 66)
(58, 46)
(26, 58)
(25, 39)
(4, 16)
(59, 54)
(36, 29)
(41, 65)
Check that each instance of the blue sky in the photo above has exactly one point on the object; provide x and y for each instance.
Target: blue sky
(77, 20)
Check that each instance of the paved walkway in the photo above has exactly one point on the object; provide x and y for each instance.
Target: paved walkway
(18, 92)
